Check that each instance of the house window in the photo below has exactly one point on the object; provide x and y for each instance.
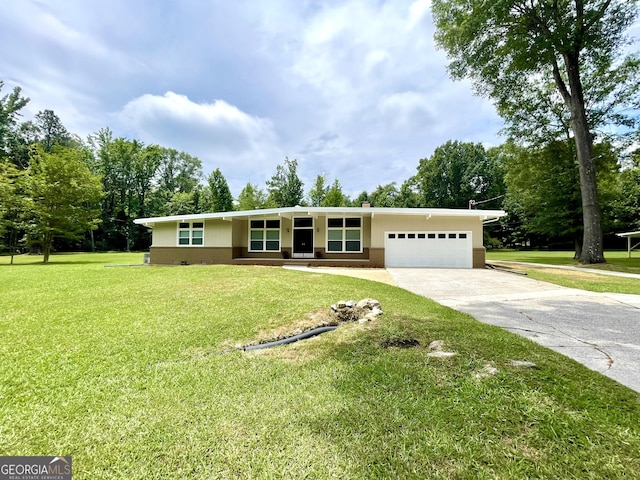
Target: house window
(344, 234)
(191, 233)
(264, 236)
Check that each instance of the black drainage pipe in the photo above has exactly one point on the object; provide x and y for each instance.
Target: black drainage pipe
(502, 269)
(285, 341)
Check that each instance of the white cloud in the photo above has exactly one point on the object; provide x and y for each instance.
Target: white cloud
(407, 109)
(353, 88)
(220, 134)
(417, 11)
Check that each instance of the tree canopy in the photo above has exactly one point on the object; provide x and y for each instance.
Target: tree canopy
(456, 174)
(220, 198)
(65, 195)
(285, 187)
(507, 47)
(10, 106)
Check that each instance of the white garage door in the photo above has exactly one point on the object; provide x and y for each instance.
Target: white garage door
(428, 249)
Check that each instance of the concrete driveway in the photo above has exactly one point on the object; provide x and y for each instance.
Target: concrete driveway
(601, 331)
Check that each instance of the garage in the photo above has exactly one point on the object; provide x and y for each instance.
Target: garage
(428, 249)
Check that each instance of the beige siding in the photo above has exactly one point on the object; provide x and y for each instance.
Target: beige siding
(409, 223)
(218, 233)
(165, 235)
(286, 237)
(320, 238)
(227, 234)
(240, 233)
(366, 233)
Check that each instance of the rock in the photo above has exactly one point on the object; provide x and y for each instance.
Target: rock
(522, 364)
(345, 304)
(364, 311)
(440, 354)
(436, 345)
(348, 314)
(486, 372)
(369, 304)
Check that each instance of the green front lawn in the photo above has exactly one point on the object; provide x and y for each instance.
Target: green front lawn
(133, 372)
(617, 261)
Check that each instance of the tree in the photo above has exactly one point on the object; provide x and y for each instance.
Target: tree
(14, 204)
(507, 46)
(384, 195)
(408, 196)
(334, 196)
(181, 204)
(285, 188)
(543, 189)
(456, 174)
(50, 131)
(361, 199)
(116, 161)
(178, 172)
(318, 192)
(220, 198)
(139, 181)
(10, 106)
(544, 192)
(65, 196)
(251, 198)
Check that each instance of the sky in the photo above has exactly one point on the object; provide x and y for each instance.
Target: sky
(354, 90)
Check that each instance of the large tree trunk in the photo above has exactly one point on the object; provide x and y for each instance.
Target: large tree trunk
(47, 242)
(592, 248)
(12, 243)
(592, 244)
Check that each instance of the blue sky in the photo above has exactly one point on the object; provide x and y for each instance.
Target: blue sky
(352, 89)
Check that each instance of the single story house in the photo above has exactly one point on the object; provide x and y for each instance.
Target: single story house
(331, 236)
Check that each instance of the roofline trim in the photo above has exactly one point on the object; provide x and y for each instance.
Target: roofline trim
(365, 211)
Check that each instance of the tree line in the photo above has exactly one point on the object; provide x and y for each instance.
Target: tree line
(57, 190)
(569, 173)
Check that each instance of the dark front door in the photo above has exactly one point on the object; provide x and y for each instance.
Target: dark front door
(303, 241)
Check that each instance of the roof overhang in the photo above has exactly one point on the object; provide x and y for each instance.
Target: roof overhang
(629, 234)
(486, 216)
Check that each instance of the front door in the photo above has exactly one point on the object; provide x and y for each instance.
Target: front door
(303, 237)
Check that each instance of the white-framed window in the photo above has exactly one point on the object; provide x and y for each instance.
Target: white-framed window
(191, 234)
(264, 235)
(344, 234)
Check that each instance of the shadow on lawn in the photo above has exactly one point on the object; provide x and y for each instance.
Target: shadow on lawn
(30, 260)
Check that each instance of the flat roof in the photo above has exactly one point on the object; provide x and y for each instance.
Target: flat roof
(484, 215)
(629, 234)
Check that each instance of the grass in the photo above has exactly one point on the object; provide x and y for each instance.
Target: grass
(132, 371)
(617, 261)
